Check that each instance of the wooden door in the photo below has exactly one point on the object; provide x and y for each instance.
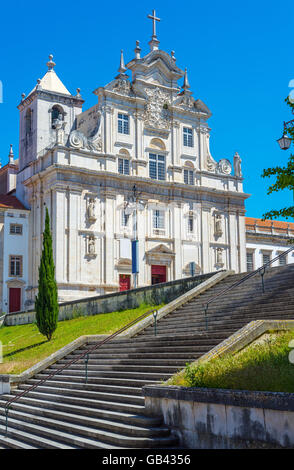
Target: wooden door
(158, 274)
(14, 299)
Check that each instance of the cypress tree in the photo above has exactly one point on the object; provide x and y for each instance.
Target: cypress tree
(46, 301)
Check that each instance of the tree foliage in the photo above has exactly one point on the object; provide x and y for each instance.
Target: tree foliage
(46, 300)
(284, 180)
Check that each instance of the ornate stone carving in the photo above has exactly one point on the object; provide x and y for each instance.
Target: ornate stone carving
(224, 166)
(122, 86)
(156, 113)
(187, 102)
(237, 165)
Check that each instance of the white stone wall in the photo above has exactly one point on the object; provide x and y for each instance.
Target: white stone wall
(15, 245)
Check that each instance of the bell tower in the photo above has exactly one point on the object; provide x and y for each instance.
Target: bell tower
(47, 116)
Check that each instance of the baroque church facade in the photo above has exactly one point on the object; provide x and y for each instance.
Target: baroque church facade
(136, 165)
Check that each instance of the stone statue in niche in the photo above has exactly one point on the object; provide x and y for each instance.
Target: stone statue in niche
(91, 246)
(237, 165)
(91, 210)
(219, 256)
(218, 225)
(59, 125)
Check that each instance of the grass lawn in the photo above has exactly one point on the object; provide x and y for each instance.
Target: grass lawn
(24, 346)
(263, 366)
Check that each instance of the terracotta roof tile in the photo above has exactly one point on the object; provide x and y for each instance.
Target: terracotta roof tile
(10, 202)
(267, 224)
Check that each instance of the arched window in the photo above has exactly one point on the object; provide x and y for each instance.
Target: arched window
(57, 113)
(28, 121)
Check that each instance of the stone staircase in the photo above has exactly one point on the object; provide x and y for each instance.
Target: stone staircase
(108, 412)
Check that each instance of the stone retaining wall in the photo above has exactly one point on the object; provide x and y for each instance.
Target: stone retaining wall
(224, 419)
(153, 295)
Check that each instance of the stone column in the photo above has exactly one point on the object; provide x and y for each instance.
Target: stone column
(205, 238)
(109, 237)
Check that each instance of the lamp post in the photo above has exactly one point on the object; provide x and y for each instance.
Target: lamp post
(132, 208)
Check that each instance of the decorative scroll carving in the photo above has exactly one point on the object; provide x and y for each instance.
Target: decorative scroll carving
(77, 139)
(224, 166)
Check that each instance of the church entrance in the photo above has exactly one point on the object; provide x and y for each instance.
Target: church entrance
(14, 299)
(158, 274)
(124, 282)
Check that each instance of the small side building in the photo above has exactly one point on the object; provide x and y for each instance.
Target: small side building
(14, 257)
(266, 239)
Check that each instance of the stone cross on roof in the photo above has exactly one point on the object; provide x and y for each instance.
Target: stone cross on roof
(154, 19)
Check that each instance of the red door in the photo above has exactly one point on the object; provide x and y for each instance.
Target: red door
(14, 299)
(158, 274)
(124, 282)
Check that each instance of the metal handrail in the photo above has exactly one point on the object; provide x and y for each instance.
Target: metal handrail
(260, 270)
(79, 357)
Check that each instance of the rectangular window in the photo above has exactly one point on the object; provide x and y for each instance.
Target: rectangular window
(123, 166)
(266, 257)
(188, 137)
(283, 260)
(250, 266)
(156, 167)
(124, 219)
(158, 219)
(123, 123)
(15, 229)
(190, 224)
(188, 176)
(15, 265)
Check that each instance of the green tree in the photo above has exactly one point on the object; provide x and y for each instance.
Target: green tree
(284, 180)
(46, 300)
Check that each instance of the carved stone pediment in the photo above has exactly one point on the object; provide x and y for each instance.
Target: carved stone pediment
(160, 249)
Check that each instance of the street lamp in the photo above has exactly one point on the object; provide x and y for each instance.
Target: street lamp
(285, 141)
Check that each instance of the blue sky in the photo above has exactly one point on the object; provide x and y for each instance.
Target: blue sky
(239, 59)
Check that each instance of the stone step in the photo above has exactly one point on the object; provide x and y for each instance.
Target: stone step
(116, 389)
(224, 307)
(175, 322)
(100, 404)
(74, 434)
(28, 403)
(117, 368)
(115, 381)
(105, 396)
(137, 342)
(147, 355)
(132, 362)
(83, 425)
(46, 438)
(11, 443)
